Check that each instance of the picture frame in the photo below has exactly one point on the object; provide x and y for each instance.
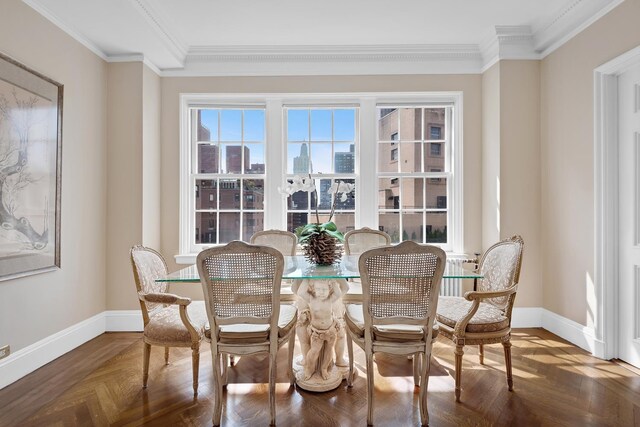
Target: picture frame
(30, 170)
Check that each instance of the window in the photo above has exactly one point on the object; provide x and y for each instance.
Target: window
(236, 150)
(227, 146)
(416, 209)
(321, 142)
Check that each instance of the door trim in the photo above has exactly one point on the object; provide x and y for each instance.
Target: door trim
(606, 199)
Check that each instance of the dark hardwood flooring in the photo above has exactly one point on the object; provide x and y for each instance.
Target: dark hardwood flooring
(100, 384)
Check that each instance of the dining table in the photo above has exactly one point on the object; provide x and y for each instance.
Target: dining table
(299, 273)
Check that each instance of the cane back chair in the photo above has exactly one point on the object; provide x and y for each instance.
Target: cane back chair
(241, 285)
(400, 287)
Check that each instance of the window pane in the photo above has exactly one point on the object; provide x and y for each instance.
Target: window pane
(298, 158)
(388, 124)
(387, 157)
(253, 194)
(229, 194)
(412, 226)
(344, 158)
(298, 201)
(206, 194)
(344, 221)
(320, 157)
(388, 193)
(232, 158)
(323, 186)
(434, 123)
(350, 202)
(252, 223)
(412, 193)
(344, 122)
(254, 158)
(229, 226)
(231, 125)
(298, 125)
(254, 125)
(433, 156)
(410, 124)
(410, 155)
(436, 227)
(295, 220)
(436, 193)
(208, 158)
(206, 125)
(321, 125)
(390, 224)
(206, 227)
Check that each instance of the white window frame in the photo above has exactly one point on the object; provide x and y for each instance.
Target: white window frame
(366, 154)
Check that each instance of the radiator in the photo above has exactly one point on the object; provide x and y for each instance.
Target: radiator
(452, 287)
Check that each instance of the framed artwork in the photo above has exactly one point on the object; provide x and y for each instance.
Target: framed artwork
(30, 170)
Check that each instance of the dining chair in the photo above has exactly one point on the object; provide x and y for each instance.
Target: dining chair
(169, 320)
(484, 316)
(241, 285)
(284, 241)
(363, 239)
(400, 287)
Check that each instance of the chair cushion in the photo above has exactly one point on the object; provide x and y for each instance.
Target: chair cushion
(165, 325)
(487, 319)
(251, 333)
(354, 318)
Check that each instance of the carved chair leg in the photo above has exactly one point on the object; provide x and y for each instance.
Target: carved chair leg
(166, 355)
(416, 369)
(217, 376)
(225, 370)
(292, 345)
(350, 353)
(272, 387)
(232, 360)
(425, 361)
(507, 359)
(459, 353)
(481, 354)
(195, 366)
(370, 390)
(145, 364)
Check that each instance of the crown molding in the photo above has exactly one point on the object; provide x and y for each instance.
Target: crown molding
(507, 42)
(160, 24)
(567, 22)
(49, 15)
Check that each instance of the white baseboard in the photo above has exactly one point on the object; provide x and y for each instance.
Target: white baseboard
(123, 321)
(28, 359)
(577, 334)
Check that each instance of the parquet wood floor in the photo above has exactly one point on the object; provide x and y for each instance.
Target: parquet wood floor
(99, 384)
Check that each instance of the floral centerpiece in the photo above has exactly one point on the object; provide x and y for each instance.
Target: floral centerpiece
(320, 240)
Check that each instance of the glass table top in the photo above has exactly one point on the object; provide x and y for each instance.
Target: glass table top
(297, 267)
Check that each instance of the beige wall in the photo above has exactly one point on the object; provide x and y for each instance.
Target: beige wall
(133, 190)
(490, 156)
(172, 87)
(36, 307)
(519, 199)
(567, 159)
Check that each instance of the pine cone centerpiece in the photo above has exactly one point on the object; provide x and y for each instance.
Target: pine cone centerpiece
(322, 249)
(320, 242)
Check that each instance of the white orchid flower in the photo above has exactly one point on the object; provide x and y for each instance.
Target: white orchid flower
(343, 198)
(308, 185)
(333, 188)
(345, 188)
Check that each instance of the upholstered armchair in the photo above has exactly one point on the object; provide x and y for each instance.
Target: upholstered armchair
(169, 320)
(484, 316)
(400, 287)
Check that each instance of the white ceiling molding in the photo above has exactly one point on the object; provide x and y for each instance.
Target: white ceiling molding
(568, 22)
(168, 55)
(168, 36)
(44, 11)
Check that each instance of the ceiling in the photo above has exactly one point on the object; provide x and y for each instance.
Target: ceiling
(286, 37)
